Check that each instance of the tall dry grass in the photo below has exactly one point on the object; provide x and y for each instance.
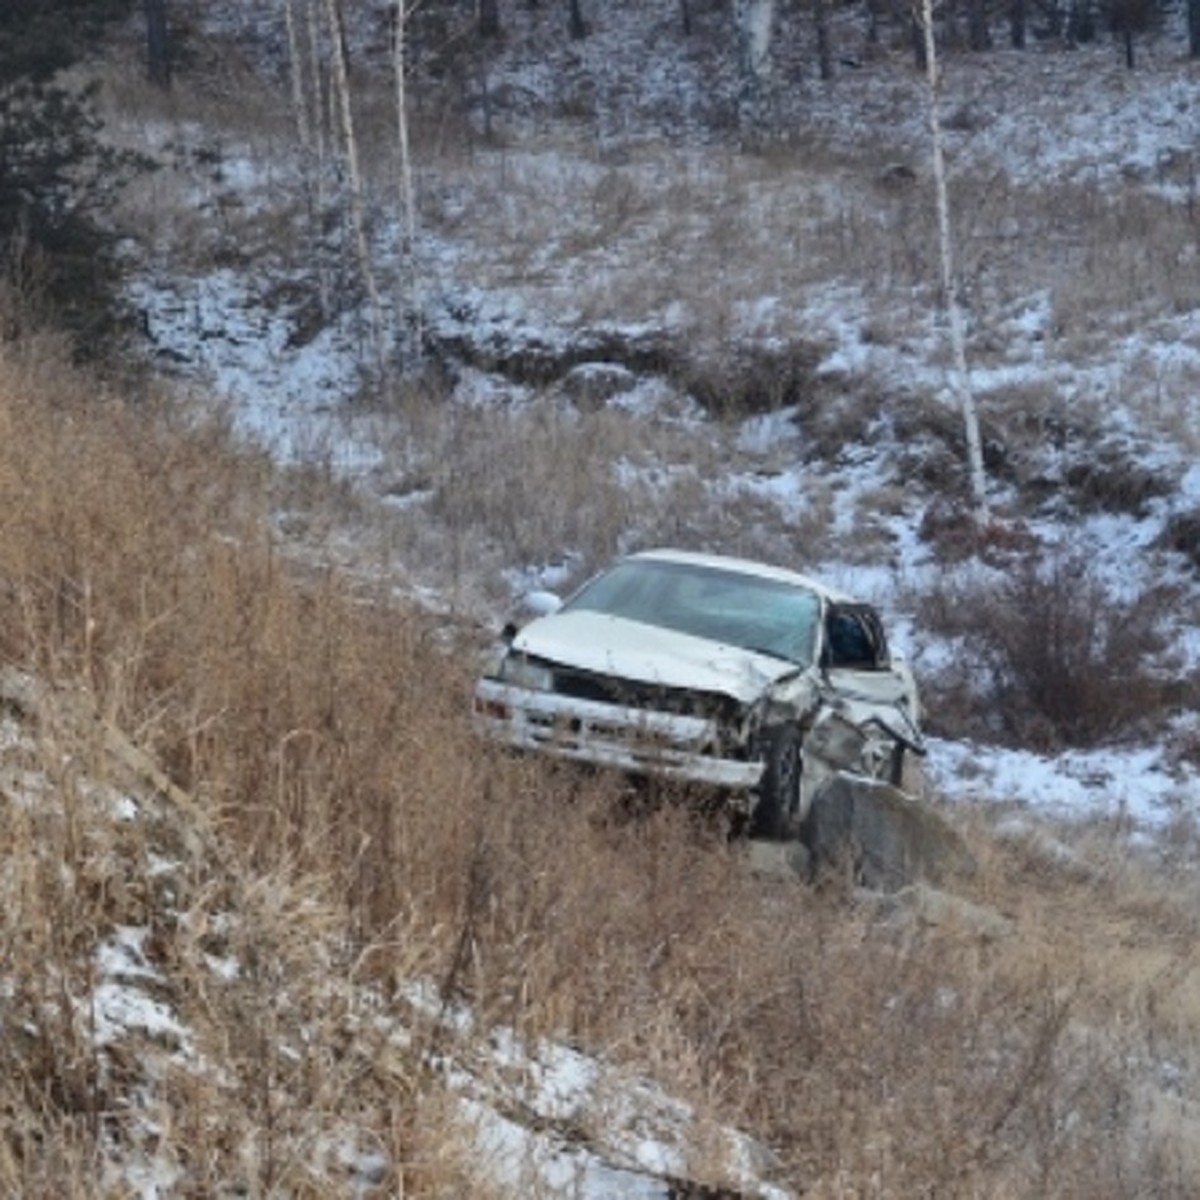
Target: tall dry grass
(337, 832)
(332, 828)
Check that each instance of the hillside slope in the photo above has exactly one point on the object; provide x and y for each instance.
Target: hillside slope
(276, 925)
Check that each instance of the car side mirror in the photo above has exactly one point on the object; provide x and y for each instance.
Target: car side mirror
(532, 605)
(540, 603)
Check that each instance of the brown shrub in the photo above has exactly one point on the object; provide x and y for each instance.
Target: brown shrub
(1047, 655)
(1182, 534)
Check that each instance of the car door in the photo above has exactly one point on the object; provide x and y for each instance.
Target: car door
(860, 674)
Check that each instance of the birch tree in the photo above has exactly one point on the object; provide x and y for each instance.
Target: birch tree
(953, 310)
(358, 202)
(158, 46)
(754, 21)
(410, 300)
(313, 119)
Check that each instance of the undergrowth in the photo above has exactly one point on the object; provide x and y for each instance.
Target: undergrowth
(325, 825)
(1046, 655)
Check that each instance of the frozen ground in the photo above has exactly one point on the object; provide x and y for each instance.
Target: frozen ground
(1029, 117)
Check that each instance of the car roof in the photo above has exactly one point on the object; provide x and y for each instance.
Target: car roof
(745, 566)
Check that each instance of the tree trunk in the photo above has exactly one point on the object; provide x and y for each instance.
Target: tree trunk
(158, 44)
(321, 125)
(358, 204)
(958, 341)
(489, 18)
(1016, 24)
(685, 11)
(409, 301)
(824, 47)
(754, 20)
(917, 35)
(309, 160)
(1194, 28)
(979, 36)
(576, 25)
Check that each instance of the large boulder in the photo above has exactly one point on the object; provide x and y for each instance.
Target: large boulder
(885, 838)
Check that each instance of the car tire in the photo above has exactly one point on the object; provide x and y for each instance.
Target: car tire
(776, 815)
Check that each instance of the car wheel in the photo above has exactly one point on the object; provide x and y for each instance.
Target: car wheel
(777, 813)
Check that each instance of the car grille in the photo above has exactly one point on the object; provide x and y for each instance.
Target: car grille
(610, 689)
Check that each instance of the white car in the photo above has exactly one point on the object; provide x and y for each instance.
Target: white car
(713, 670)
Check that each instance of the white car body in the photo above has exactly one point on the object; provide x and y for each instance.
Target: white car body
(616, 690)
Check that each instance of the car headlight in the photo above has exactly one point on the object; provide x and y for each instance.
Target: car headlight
(518, 671)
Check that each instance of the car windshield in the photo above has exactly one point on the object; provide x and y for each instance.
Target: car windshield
(770, 616)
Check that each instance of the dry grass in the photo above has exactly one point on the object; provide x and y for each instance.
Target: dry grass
(476, 489)
(341, 833)
(337, 829)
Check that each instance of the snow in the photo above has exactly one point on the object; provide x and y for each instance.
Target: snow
(524, 1106)
(1108, 130)
(1108, 127)
(637, 1138)
(1133, 786)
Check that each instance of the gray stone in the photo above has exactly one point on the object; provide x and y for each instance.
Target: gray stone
(927, 905)
(886, 839)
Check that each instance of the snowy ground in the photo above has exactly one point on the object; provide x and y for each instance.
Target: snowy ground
(545, 1119)
(1035, 116)
(213, 329)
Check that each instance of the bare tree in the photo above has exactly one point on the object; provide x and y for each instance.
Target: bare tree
(321, 125)
(1127, 18)
(950, 301)
(979, 34)
(576, 25)
(358, 202)
(410, 300)
(158, 44)
(299, 96)
(824, 45)
(302, 24)
(754, 21)
(489, 18)
(1016, 23)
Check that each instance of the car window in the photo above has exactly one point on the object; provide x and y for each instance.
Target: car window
(854, 640)
(753, 612)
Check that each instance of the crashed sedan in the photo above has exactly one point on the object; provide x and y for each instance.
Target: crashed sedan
(711, 670)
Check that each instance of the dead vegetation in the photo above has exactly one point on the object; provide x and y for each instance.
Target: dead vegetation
(1047, 656)
(331, 833)
(338, 834)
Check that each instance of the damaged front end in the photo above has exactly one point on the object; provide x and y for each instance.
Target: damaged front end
(693, 735)
(707, 671)
(678, 733)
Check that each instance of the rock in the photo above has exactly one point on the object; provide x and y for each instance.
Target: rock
(928, 905)
(591, 385)
(887, 839)
(781, 859)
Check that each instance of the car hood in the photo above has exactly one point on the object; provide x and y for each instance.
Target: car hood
(609, 645)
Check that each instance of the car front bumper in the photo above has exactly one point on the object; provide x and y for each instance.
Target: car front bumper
(636, 740)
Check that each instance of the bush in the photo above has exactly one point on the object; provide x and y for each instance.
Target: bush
(1048, 655)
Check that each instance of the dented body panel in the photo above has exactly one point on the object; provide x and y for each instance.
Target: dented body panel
(706, 669)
